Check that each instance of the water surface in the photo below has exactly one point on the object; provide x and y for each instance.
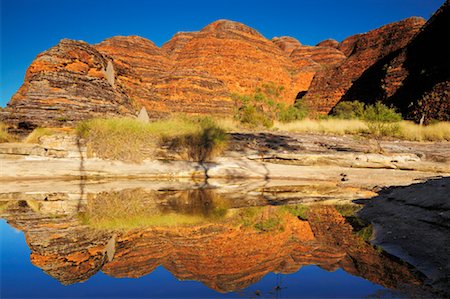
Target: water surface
(147, 242)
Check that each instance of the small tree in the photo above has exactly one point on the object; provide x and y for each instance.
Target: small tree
(382, 120)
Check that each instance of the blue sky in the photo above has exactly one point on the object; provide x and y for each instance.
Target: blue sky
(29, 27)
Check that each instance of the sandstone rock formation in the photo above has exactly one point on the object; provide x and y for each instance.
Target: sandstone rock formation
(308, 60)
(238, 56)
(415, 78)
(67, 83)
(363, 51)
(197, 72)
(329, 43)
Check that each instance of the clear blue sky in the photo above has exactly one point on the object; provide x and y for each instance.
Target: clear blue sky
(29, 27)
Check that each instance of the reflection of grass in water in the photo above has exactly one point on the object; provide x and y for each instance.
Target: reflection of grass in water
(361, 228)
(347, 210)
(366, 233)
(271, 224)
(135, 208)
(141, 220)
(298, 210)
(264, 219)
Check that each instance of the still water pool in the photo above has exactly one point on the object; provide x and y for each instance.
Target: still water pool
(140, 243)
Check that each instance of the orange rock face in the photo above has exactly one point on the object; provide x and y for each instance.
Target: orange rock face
(238, 56)
(331, 43)
(197, 72)
(67, 83)
(308, 60)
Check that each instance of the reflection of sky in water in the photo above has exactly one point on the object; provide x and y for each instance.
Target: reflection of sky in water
(19, 278)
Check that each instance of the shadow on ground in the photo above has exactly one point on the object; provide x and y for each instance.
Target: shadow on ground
(413, 223)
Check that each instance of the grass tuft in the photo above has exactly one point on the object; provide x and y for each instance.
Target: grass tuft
(4, 135)
(34, 137)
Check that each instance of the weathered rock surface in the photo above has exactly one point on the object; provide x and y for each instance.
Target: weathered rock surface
(65, 84)
(308, 60)
(239, 56)
(263, 155)
(363, 51)
(286, 43)
(412, 222)
(329, 43)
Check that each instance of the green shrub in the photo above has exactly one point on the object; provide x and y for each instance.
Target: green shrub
(291, 113)
(348, 110)
(264, 107)
(381, 113)
(382, 120)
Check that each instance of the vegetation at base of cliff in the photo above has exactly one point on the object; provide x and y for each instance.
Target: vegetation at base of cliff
(36, 134)
(263, 107)
(4, 135)
(380, 119)
(201, 138)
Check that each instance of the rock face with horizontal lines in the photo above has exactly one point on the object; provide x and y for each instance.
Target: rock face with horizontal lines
(65, 84)
(404, 63)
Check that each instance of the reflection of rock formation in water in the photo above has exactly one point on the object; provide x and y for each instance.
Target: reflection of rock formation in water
(225, 253)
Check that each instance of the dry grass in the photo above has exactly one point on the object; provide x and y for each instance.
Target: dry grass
(37, 133)
(404, 130)
(4, 135)
(435, 132)
(326, 126)
(125, 138)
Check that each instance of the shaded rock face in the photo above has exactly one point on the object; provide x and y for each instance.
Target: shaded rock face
(224, 255)
(363, 51)
(424, 65)
(414, 79)
(67, 83)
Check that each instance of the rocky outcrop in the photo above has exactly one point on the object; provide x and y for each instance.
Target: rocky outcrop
(423, 69)
(65, 84)
(331, 43)
(177, 42)
(286, 43)
(415, 79)
(238, 56)
(363, 51)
